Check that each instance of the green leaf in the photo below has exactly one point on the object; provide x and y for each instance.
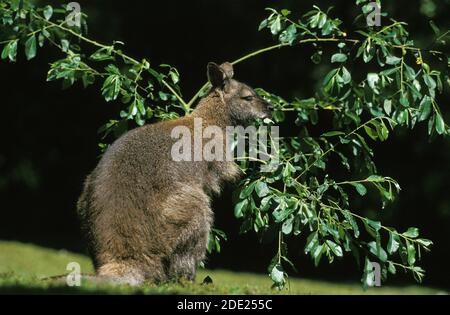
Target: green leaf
(346, 76)
(5, 51)
(278, 116)
(393, 243)
(425, 108)
(65, 45)
(13, 50)
(240, 207)
(412, 232)
(265, 203)
(87, 79)
(139, 103)
(174, 76)
(48, 12)
(247, 190)
(392, 60)
(112, 69)
(389, 72)
(360, 188)
(429, 81)
(329, 76)
(370, 132)
(163, 96)
(418, 273)
(317, 254)
(288, 35)
(349, 217)
(364, 144)
(322, 22)
(139, 120)
(30, 47)
(372, 80)
(335, 248)
(402, 117)
(339, 57)
(327, 28)
(311, 242)
(383, 131)
(10, 50)
(263, 24)
(425, 242)
(332, 133)
(262, 189)
(368, 278)
(111, 87)
(102, 54)
(314, 20)
(375, 179)
(440, 124)
(277, 274)
(404, 101)
(368, 54)
(287, 226)
(275, 27)
(411, 250)
(391, 268)
(285, 12)
(431, 123)
(409, 72)
(372, 227)
(282, 211)
(288, 169)
(41, 40)
(378, 251)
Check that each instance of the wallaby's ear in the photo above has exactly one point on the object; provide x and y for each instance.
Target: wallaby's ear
(217, 75)
(227, 69)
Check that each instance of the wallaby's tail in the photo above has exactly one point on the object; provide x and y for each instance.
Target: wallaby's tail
(70, 279)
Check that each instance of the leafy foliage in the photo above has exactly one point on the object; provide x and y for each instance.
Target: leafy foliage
(304, 199)
(300, 198)
(147, 92)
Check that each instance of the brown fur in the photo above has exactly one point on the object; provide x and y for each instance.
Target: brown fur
(147, 217)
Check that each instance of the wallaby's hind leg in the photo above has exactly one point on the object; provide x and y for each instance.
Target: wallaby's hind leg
(182, 266)
(186, 258)
(187, 219)
(189, 253)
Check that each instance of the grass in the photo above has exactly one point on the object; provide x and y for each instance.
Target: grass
(22, 266)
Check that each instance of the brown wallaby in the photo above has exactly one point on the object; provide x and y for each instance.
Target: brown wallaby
(146, 216)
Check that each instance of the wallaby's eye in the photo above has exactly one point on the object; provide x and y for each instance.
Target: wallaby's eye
(248, 98)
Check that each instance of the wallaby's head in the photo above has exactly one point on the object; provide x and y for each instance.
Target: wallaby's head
(242, 102)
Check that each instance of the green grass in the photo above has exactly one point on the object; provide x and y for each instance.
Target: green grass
(22, 266)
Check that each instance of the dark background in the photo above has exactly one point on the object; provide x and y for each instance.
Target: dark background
(49, 137)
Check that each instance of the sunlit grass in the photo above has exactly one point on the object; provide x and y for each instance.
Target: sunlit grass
(22, 267)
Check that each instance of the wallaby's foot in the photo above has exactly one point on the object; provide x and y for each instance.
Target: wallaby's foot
(121, 273)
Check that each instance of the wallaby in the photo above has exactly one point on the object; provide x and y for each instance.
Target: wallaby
(147, 217)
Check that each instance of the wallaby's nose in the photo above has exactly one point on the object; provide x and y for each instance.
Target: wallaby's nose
(267, 114)
(267, 110)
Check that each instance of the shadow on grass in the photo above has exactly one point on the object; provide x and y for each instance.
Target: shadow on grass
(64, 290)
